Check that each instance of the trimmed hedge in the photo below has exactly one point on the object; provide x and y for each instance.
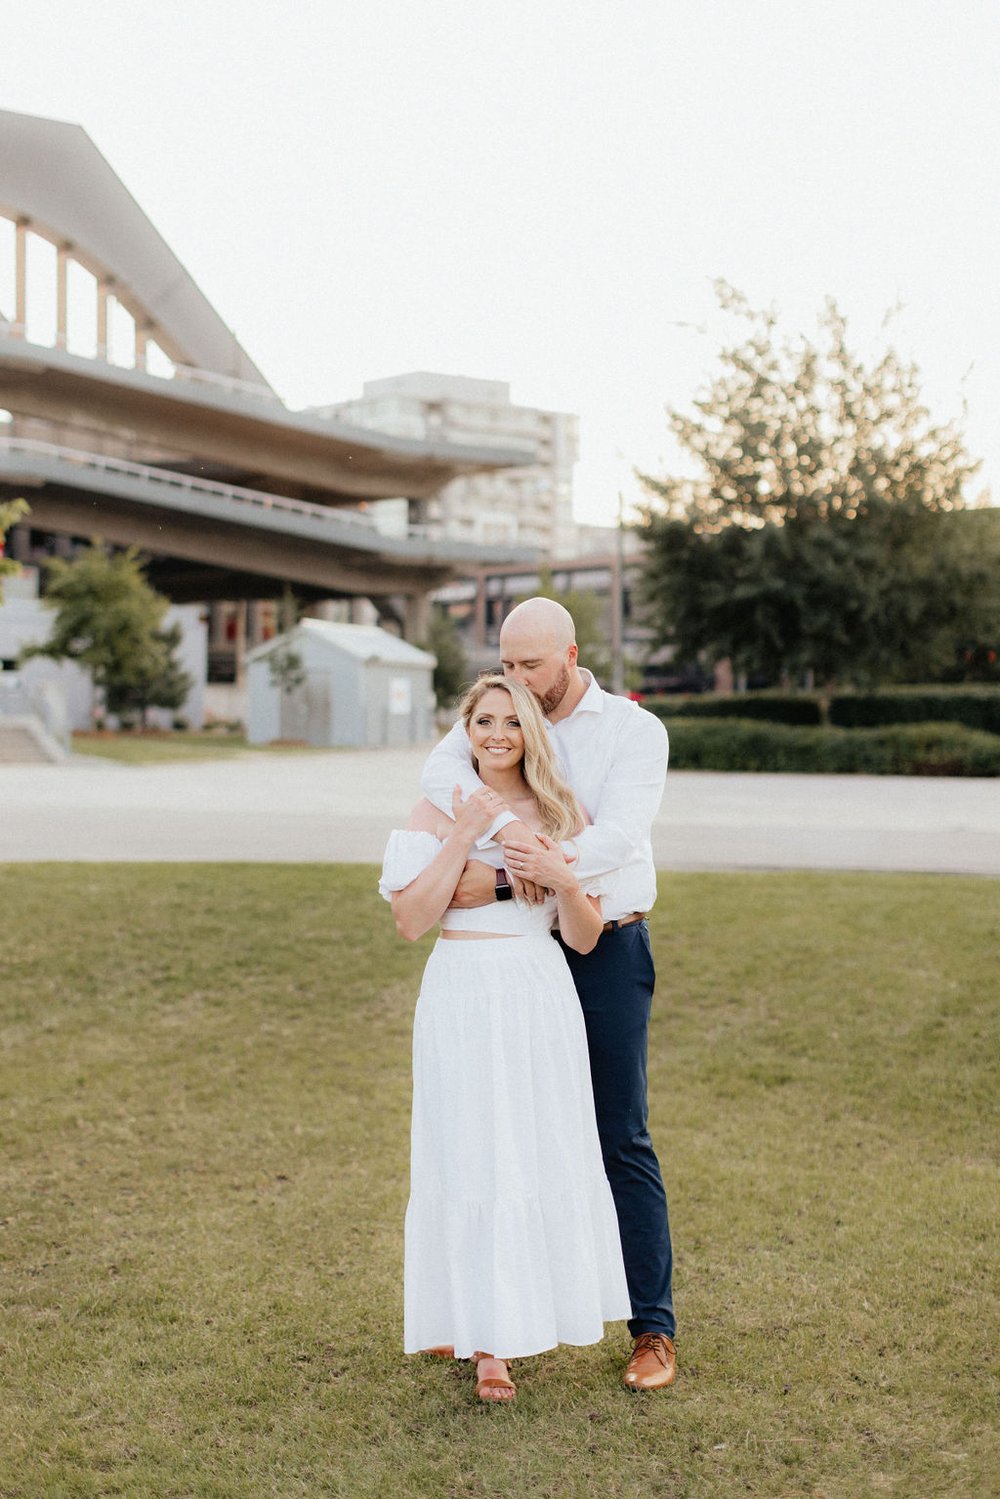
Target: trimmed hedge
(926, 749)
(776, 707)
(976, 709)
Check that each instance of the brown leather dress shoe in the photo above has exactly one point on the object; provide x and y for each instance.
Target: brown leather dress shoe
(653, 1363)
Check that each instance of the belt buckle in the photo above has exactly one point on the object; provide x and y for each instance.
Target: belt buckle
(631, 919)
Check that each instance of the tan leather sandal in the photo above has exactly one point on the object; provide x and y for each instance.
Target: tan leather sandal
(493, 1382)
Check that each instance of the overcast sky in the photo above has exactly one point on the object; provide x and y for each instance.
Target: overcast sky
(542, 191)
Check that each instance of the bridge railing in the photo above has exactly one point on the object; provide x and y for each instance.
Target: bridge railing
(190, 374)
(189, 483)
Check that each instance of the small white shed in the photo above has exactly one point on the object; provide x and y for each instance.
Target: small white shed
(357, 686)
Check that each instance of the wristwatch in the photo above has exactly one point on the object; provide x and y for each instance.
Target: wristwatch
(504, 889)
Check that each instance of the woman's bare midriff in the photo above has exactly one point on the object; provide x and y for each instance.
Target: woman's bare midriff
(476, 936)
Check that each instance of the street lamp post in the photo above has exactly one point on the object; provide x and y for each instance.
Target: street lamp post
(617, 605)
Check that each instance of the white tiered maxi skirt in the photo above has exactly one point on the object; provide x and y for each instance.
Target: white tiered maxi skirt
(512, 1242)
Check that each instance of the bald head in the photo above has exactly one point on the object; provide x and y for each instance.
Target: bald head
(538, 649)
(540, 622)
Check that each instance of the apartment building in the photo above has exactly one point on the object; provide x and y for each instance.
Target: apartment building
(531, 505)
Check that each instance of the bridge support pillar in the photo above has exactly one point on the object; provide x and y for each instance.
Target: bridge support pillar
(62, 260)
(417, 618)
(240, 643)
(322, 609)
(21, 277)
(103, 291)
(19, 544)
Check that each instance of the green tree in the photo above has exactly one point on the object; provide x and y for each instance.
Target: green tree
(822, 535)
(163, 683)
(110, 620)
(452, 670)
(977, 658)
(11, 511)
(286, 669)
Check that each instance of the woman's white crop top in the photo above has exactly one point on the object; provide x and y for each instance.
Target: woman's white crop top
(407, 854)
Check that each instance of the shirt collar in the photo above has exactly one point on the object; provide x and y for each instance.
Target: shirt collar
(592, 700)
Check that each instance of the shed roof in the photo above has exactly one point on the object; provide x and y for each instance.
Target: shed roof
(363, 642)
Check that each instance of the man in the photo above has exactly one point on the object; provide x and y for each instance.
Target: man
(615, 757)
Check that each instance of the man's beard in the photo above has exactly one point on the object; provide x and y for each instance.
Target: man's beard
(556, 692)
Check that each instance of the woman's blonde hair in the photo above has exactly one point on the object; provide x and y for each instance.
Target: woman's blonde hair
(558, 809)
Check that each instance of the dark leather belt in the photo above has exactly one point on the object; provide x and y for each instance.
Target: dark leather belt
(611, 926)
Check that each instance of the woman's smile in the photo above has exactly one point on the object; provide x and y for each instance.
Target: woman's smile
(495, 730)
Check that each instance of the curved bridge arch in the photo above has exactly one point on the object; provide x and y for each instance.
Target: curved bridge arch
(102, 448)
(54, 183)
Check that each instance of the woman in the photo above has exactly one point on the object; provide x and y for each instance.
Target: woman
(512, 1241)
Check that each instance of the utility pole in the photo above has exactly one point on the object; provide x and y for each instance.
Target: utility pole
(617, 604)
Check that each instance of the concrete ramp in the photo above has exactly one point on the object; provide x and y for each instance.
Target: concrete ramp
(24, 740)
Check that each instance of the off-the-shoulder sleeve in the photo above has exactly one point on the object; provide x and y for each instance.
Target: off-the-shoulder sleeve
(406, 855)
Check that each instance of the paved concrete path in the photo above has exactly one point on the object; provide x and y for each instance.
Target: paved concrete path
(340, 806)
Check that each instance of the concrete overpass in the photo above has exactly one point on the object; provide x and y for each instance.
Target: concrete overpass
(212, 540)
(197, 418)
(183, 448)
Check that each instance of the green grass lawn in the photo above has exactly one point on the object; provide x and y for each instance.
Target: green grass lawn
(205, 1113)
(147, 749)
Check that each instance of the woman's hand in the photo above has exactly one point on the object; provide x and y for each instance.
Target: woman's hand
(473, 816)
(541, 861)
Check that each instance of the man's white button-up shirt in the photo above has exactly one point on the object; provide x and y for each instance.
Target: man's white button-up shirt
(614, 755)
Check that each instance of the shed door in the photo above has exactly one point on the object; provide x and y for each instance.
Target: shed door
(305, 712)
(294, 713)
(318, 725)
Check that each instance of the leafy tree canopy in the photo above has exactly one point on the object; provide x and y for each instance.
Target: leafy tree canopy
(110, 620)
(452, 670)
(286, 669)
(11, 511)
(822, 533)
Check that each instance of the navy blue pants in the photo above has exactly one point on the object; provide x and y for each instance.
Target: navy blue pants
(615, 985)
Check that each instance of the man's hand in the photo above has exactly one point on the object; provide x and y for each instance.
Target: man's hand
(539, 860)
(476, 887)
(527, 890)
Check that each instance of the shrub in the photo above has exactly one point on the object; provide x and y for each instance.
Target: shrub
(775, 707)
(976, 708)
(898, 749)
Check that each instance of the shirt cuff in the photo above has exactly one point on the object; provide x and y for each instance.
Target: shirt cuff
(500, 821)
